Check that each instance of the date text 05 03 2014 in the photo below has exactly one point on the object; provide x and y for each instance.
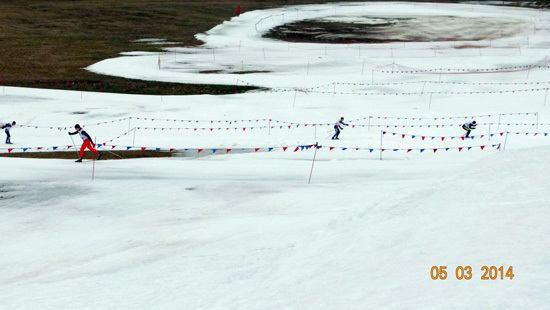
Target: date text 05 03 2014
(465, 273)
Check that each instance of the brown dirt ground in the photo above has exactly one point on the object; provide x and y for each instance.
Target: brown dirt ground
(88, 155)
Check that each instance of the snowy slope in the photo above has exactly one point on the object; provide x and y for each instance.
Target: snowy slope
(230, 230)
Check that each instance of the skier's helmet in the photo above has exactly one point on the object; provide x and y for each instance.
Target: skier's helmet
(77, 126)
(342, 118)
(13, 123)
(474, 122)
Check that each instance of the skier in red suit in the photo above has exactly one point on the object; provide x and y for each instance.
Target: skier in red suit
(87, 143)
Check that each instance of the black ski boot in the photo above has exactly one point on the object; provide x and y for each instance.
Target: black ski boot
(78, 160)
(99, 155)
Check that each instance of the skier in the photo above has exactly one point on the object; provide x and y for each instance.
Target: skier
(7, 128)
(337, 127)
(469, 127)
(239, 10)
(86, 143)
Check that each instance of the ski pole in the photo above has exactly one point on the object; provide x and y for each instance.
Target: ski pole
(74, 146)
(113, 154)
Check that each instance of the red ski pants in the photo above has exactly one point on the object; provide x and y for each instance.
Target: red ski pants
(87, 144)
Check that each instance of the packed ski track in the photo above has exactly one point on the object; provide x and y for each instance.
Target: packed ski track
(230, 222)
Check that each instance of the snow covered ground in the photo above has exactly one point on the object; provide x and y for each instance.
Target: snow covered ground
(230, 229)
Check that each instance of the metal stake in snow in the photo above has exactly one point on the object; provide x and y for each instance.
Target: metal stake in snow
(313, 163)
(134, 140)
(430, 104)
(489, 131)
(269, 128)
(498, 126)
(295, 94)
(129, 121)
(363, 68)
(545, 95)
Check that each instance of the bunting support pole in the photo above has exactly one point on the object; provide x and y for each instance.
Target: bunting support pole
(537, 120)
(505, 139)
(313, 162)
(423, 86)
(430, 104)
(381, 137)
(545, 96)
(269, 127)
(315, 135)
(129, 121)
(498, 125)
(368, 126)
(134, 140)
(489, 131)
(93, 165)
(295, 94)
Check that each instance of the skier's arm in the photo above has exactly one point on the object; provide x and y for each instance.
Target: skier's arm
(73, 133)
